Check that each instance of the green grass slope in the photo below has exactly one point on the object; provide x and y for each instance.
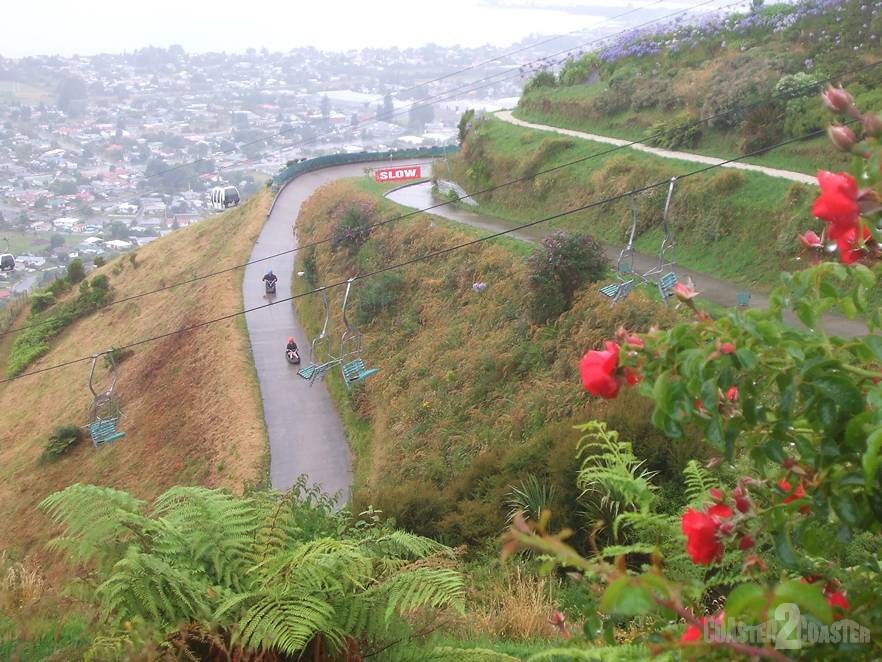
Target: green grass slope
(767, 67)
(714, 216)
(471, 398)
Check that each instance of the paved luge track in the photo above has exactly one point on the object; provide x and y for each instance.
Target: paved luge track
(305, 432)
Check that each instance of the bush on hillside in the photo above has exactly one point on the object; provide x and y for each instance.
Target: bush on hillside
(582, 71)
(378, 296)
(62, 439)
(353, 229)
(310, 269)
(679, 132)
(75, 271)
(560, 265)
(739, 83)
(762, 127)
(465, 124)
(40, 301)
(98, 261)
(58, 286)
(540, 80)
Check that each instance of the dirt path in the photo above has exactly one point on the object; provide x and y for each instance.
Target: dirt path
(506, 116)
(419, 196)
(304, 429)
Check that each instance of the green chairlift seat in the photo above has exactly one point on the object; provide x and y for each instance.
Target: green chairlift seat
(354, 371)
(104, 432)
(666, 285)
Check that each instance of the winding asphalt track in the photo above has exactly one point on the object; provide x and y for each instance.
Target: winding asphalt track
(305, 432)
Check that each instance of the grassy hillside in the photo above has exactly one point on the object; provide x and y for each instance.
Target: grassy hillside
(191, 405)
(713, 215)
(471, 398)
(669, 76)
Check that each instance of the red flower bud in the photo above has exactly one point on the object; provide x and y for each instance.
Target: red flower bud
(746, 542)
(872, 124)
(742, 504)
(727, 348)
(717, 495)
(842, 137)
(726, 528)
(810, 240)
(732, 394)
(836, 99)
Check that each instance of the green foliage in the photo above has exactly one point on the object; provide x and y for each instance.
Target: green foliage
(75, 271)
(540, 80)
(310, 269)
(291, 575)
(531, 497)
(465, 124)
(378, 296)
(58, 286)
(40, 301)
(99, 261)
(34, 341)
(561, 264)
(352, 230)
(678, 133)
(580, 71)
(62, 439)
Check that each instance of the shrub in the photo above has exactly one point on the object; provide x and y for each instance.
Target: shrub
(677, 133)
(58, 286)
(40, 301)
(465, 123)
(101, 282)
(540, 80)
(310, 268)
(762, 127)
(62, 439)
(561, 264)
(99, 261)
(353, 229)
(582, 71)
(75, 271)
(745, 80)
(377, 296)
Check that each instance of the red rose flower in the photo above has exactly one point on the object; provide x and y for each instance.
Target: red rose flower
(837, 203)
(732, 394)
(850, 249)
(598, 371)
(701, 530)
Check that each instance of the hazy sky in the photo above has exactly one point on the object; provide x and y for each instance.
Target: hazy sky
(31, 27)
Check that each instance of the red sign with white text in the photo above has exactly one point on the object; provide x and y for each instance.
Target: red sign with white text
(399, 173)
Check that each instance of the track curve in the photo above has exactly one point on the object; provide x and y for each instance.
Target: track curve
(305, 433)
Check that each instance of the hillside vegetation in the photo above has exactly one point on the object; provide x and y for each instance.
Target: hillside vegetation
(471, 398)
(756, 74)
(712, 215)
(191, 407)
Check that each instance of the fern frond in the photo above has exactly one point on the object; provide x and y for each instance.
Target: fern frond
(287, 623)
(698, 484)
(393, 543)
(100, 522)
(420, 588)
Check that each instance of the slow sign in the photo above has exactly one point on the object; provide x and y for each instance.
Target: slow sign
(398, 174)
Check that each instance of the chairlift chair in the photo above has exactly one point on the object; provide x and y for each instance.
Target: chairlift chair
(668, 244)
(105, 412)
(625, 264)
(317, 367)
(351, 342)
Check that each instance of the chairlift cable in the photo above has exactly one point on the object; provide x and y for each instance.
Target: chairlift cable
(433, 254)
(808, 87)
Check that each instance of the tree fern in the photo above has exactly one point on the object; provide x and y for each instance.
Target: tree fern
(269, 573)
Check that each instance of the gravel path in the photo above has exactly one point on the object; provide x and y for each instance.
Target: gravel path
(506, 116)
